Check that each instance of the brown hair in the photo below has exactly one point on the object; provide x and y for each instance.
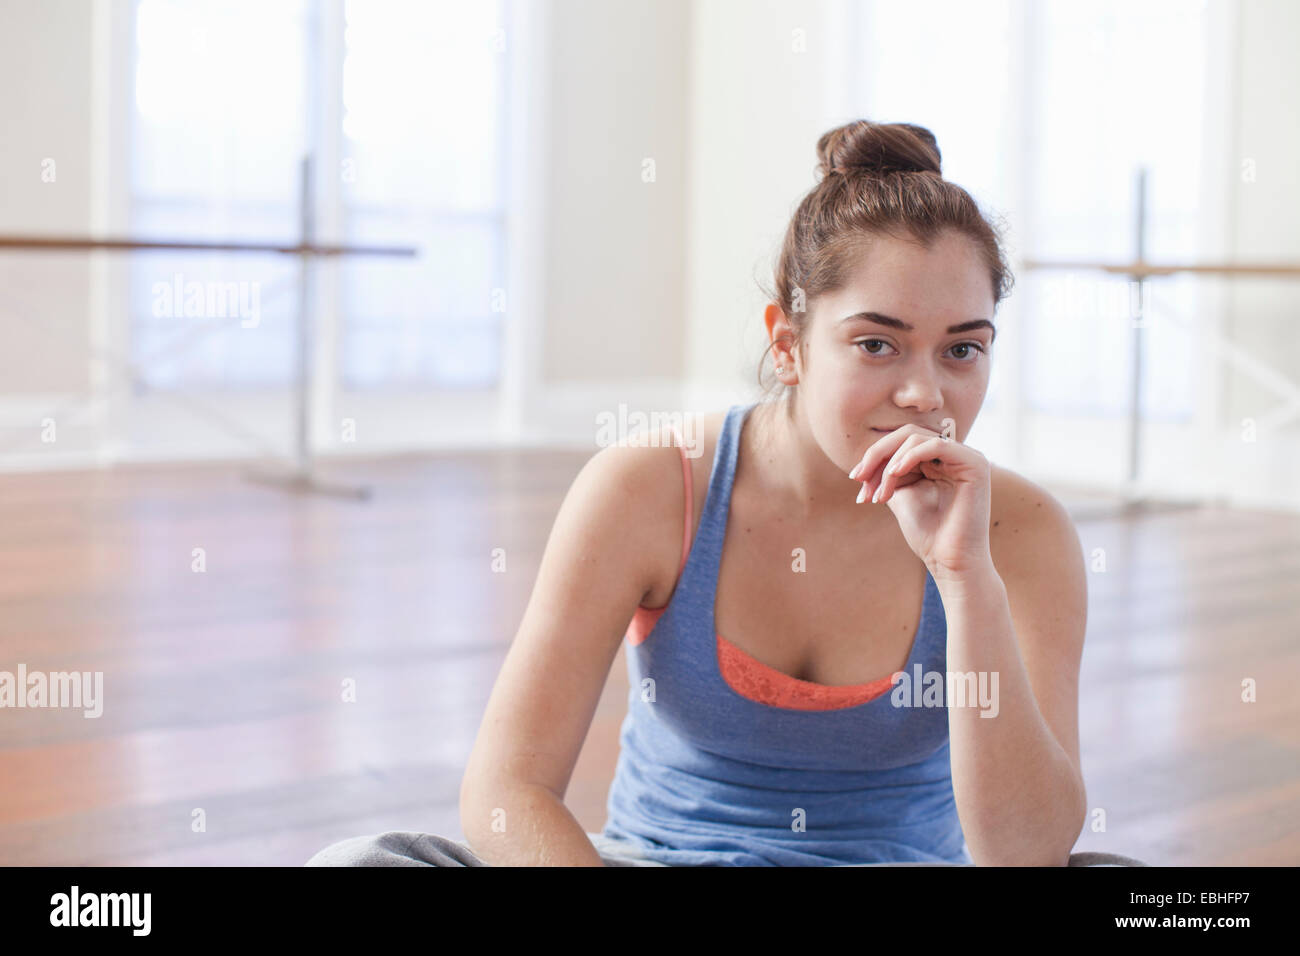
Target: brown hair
(875, 178)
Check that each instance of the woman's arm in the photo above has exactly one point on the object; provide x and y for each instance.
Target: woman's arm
(598, 564)
(1016, 776)
(533, 826)
(1014, 592)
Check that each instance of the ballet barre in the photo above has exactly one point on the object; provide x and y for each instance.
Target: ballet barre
(299, 476)
(1140, 271)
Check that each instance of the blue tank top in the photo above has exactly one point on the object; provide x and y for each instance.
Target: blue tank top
(708, 777)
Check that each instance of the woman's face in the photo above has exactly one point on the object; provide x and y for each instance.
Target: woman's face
(867, 374)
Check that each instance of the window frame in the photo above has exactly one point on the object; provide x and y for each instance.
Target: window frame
(260, 421)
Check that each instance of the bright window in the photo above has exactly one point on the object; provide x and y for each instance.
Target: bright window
(221, 120)
(1096, 68)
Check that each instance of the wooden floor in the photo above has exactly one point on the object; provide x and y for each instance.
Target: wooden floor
(222, 689)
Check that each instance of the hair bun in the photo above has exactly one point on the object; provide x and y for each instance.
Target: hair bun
(878, 149)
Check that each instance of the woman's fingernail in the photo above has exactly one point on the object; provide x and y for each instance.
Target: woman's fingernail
(862, 495)
(877, 494)
(856, 469)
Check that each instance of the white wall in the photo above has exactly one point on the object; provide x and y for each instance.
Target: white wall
(614, 250)
(762, 93)
(614, 254)
(45, 55)
(1262, 316)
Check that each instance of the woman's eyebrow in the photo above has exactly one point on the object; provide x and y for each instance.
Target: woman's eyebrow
(893, 323)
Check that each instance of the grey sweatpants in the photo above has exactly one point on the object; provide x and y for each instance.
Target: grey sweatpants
(410, 848)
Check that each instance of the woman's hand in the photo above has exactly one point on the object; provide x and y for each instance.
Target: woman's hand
(939, 490)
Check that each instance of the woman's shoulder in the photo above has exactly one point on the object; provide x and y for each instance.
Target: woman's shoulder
(1024, 517)
(660, 489)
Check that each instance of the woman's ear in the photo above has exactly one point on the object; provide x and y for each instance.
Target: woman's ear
(780, 334)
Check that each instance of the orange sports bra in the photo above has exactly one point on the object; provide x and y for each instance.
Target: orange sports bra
(746, 675)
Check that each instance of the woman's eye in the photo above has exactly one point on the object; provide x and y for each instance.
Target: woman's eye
(968, 345)
(870, 341)
(959, 345)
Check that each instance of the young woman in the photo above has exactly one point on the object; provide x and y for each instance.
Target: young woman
(791, 644)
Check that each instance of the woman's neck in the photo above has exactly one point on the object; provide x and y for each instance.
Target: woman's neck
(793, 473)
